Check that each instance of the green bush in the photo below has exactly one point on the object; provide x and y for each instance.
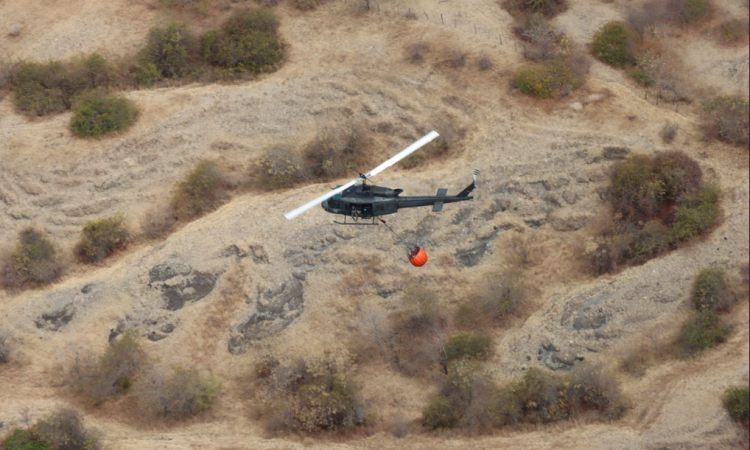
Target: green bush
(167, 53)
(247, 41)
(25, 440)
(43, 89)
(696, 214)
(112, 374)
(179, 394)
(97, 72)
(711, 291)
(690, 12)
(34, 260)
(737, 402)
(202, 191)
(702, 331)
(439, 414)
(612, 44)
(307, 5)
(642, 186)
(650, 241)
(96, 115)
(468, 346)
(102, 237)
(548, 80)
(727, 117)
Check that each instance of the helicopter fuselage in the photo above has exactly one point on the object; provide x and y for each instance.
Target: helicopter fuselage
(367, 201)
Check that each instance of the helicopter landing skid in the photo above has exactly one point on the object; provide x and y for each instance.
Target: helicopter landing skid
(356, 222)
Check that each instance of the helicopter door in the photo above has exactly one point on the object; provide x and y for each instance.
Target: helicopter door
(363, 210)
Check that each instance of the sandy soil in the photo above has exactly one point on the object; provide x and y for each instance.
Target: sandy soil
(542, 159)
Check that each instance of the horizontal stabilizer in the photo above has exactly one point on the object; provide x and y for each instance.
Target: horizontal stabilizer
(437, 207)
(442, 192)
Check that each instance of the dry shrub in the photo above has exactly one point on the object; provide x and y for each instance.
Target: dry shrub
(177, 393)
(637, 359)
(280, 168)
(98, 379)
(415, 52)
(547, 8)
(545, 41)
(643, 20)
(34, 260)
(449, 141)
(313, 394)
(668, 132)
(102, 237)
(484, 63)
(64, 430)
(495, 299)
(202, 191)
(4, 347)
(521, 251)
(690, 12)
(729, 32)
(418, 333)
(727, 117)
(469, 400)
(338, 151)
(158, 222)
(307, 5)
(8, 71)
(457, 59)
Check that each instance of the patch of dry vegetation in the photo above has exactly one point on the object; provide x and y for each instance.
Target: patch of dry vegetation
(495, 299)
(727, 117)
(35, 260)
(469, 400)
(60, 430)
(311, 394)
(523, 8)
(175, 393)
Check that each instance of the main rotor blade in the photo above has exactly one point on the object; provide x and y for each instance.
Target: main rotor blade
(429, 137)
(294, 213)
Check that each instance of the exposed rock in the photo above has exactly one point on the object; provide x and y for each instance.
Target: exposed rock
(179, 284)
(470, 257)
(614, 153)
(56, 320)
(259, 254)
(570, 197)
(275, 309)
(154, 336)
(235, 251)
(576, 106)
(168, 328)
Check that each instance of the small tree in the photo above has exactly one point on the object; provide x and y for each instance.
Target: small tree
(168, 52)
(97, 114)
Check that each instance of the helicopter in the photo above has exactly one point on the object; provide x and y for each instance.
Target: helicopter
(359, 200)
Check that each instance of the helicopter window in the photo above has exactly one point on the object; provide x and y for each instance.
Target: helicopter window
(333, 204)
(379, 207)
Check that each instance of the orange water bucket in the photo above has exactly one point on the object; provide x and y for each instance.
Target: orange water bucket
(418, 257)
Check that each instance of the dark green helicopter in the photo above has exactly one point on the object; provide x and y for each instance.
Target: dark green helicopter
(360, 200)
